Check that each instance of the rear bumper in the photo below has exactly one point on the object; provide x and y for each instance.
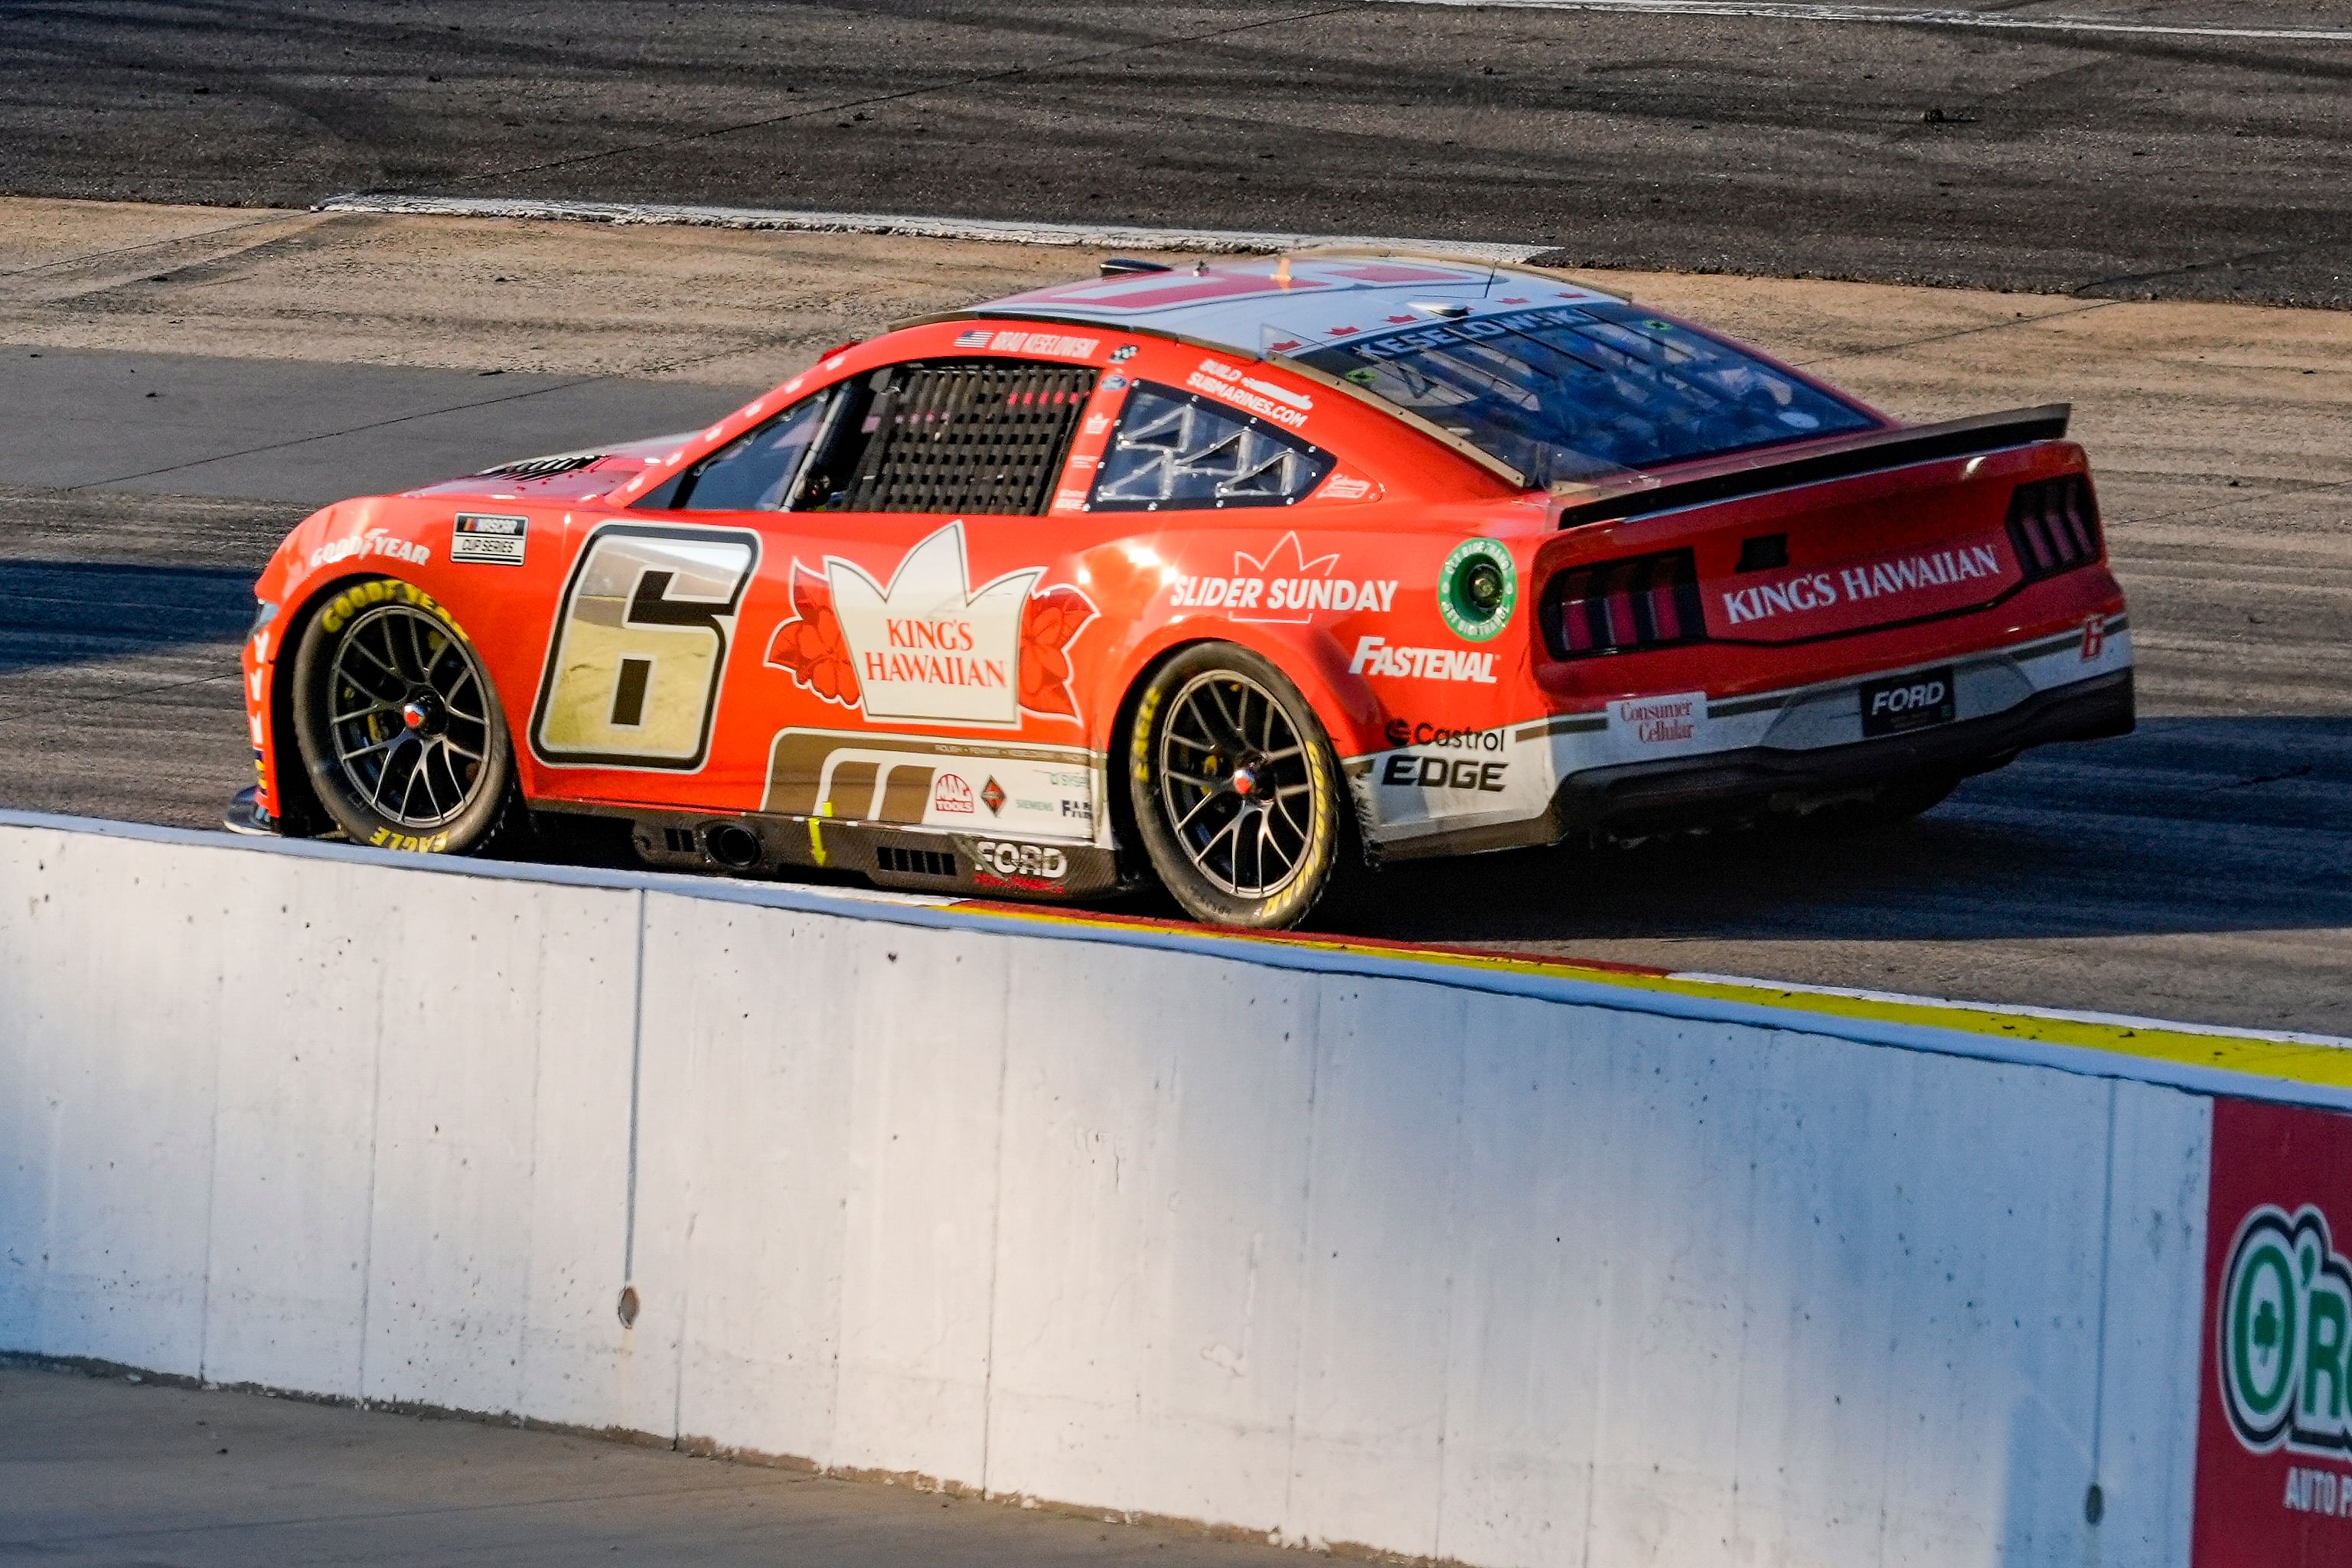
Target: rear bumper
(1779, 752)
(1730, 784)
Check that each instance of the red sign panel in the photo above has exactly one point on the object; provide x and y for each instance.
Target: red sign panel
(2274, 1435)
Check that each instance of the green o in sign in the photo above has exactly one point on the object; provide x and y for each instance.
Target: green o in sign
(1477, 588)
(2262, 1329)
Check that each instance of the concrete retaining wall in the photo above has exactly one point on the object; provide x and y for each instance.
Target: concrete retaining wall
(1380, 1259)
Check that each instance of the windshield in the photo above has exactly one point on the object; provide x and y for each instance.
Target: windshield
(1580, 391)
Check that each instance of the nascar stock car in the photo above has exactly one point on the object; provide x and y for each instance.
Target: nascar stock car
(1243, 576)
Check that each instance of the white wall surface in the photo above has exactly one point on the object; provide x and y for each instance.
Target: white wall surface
(1340, 1257)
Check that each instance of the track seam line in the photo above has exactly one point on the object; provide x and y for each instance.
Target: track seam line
(124, 696)
(654, 371)
(1957, 332)
(1765, 10)
(988, 231)
(278, 216)
(977, 80)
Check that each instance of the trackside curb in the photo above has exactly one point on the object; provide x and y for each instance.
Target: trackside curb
(1106, 236)
(2283, 1068)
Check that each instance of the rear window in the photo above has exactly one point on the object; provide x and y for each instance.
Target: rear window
(1578, 391)
(1175, 449)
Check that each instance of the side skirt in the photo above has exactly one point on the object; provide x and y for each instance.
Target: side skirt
(917, 860)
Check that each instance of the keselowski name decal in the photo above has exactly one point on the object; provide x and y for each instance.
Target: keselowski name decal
(1804, 591)
(1028, 342)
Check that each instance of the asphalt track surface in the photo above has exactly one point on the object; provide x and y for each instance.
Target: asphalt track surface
(100, 1473)
(2199, 869)
(2174, 161)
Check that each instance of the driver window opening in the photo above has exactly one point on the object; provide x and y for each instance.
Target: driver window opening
(973, 437)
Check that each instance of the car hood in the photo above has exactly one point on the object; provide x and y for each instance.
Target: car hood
(584, 475)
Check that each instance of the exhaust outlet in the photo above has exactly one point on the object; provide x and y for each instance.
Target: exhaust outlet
(735, 847)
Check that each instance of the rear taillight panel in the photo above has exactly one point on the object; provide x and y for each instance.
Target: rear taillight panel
(2053, 525)
(1623, 606)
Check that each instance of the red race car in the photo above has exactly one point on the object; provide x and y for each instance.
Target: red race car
(1243, 576)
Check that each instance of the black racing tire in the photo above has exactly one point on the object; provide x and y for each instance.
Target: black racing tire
(1236, 793)
(401, 731)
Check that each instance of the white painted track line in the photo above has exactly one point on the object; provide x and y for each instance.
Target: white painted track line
(1100, 236)
(1909, 16)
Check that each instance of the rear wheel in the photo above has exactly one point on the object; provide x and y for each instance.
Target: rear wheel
(401, 731)
(1235, 791)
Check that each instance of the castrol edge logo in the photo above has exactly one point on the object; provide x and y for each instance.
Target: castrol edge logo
(2285, 1334)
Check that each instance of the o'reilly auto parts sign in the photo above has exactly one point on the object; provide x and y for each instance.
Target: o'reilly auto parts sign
(2274, 1439)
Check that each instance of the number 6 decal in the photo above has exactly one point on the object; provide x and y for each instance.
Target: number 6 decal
(640, 646)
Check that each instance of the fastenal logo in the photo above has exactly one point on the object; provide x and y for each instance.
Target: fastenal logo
(2285, 1322)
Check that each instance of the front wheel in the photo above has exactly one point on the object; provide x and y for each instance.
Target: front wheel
(400, 729)
(1236, 790)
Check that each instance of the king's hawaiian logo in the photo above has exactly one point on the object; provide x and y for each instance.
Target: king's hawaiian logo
(2285, 1326)
(929, 646)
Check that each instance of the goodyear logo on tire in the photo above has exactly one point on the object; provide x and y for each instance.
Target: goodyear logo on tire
(2285, 1324)
(381, 591)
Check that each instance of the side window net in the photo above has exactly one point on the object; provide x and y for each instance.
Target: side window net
(1174, 449)
(970, 436)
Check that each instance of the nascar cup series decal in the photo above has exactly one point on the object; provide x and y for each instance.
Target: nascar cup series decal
(2274, 1434)
(929, 646)
(489, 540)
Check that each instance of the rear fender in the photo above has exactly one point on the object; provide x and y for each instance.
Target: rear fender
(1313, 659)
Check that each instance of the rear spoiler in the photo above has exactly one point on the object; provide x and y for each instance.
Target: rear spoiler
(1839, 458)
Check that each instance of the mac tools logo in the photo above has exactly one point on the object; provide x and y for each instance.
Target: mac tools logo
(2285, 1334)
(929, 646)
